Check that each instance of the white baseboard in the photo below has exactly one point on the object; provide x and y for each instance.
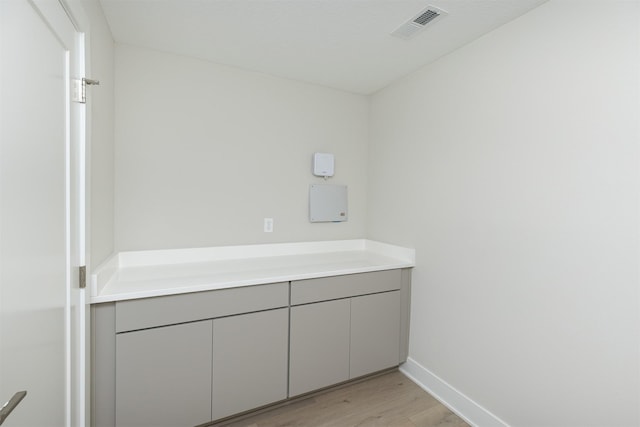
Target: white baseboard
(464, 407)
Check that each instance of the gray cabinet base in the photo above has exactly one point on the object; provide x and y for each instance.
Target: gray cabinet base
(350, 336)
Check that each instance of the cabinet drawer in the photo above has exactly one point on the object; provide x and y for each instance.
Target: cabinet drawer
(172, 309)
(328, 288)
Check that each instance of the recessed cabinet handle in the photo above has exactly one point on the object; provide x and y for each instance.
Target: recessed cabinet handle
(11, 405)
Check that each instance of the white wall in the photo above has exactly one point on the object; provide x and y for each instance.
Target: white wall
(511, 165)
(100, 103)
(204, 152)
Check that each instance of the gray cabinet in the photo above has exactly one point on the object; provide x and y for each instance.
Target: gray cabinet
(189, 374)
(249, 361)
(163, 376)
(343, 327)
(183, 360)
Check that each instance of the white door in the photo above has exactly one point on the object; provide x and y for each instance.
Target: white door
(40, 210)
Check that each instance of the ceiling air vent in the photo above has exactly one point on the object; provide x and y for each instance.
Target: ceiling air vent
(419, 22)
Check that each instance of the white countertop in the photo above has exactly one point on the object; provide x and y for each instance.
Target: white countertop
(130, 275)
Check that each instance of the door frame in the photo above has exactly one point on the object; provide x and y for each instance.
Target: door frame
(79, 375)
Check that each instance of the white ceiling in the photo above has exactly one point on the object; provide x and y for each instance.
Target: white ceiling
(343, 44)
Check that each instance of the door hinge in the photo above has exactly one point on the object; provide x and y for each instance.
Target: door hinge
(83, 277)
(80, 89)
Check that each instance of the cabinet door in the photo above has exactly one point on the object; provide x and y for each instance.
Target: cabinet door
(319, 345)
(163, 376)
(375, 333)
(249, 361)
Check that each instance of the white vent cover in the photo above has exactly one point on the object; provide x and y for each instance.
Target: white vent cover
(419, 22)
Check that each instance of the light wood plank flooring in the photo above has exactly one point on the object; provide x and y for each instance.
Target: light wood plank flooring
(390, 399)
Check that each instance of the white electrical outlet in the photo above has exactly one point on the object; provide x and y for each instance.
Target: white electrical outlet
(268, 225)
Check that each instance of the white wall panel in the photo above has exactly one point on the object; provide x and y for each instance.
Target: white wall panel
(518, 160)
(205, 152)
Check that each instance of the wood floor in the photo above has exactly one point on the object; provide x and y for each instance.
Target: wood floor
(390, 399)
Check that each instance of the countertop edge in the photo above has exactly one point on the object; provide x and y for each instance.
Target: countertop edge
(401, 258)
